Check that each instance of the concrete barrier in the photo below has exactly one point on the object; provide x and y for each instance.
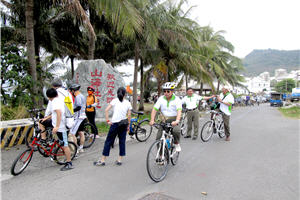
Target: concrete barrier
(13, 132)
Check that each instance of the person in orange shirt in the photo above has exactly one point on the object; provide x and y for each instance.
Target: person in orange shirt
(91, 103)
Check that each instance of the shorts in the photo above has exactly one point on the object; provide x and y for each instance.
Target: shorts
(78, 126)
(63, 137)
(47, 123)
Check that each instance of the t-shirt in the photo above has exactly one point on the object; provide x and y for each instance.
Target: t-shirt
(168, 108)
(58, 104)
(120, 109)
(80, 101)
(191, 102)
(62, 93)
(228, 99)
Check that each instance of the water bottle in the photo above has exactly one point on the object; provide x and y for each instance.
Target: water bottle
(168, 142)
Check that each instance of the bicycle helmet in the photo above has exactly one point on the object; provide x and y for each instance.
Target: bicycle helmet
(75, 87)
(56, 82)
(91, 88)
(169, 86)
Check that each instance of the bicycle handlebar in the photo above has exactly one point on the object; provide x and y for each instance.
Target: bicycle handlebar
(163, 125)
(36, 110)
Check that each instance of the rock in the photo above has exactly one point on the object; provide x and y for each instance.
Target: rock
(103, 77)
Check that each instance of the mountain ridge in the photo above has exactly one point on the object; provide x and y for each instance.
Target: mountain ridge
(262, 60)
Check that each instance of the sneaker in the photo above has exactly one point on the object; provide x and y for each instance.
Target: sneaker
(118, 163)
(67, 166)
(188, 136)
(99, 163)
(80, 151)
(177, 147)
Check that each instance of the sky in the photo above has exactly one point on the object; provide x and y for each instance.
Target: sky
(252, 24)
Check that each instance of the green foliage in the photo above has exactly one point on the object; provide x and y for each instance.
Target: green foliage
(11, 113)
(259, 61)
(285, 86)
(15, 80)
(293, 112)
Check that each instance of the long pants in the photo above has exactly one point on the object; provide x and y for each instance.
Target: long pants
(226, 119)
(91, 117)
(175, 132)
(115, 130)
(193, 118)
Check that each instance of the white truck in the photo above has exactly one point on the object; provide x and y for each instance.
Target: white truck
(295, 94)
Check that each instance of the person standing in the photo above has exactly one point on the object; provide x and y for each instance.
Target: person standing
(57, 111)
(118, 126)
(192, 101)
(79, 116)
(91, 103)
(170, 106)
(226, 100)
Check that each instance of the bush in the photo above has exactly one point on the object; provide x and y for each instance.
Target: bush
(11, 113)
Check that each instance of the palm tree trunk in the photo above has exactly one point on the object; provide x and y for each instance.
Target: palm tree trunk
(136, 60)
(141, 106)
(91, 47)
(72, 66)
(186, 82)
(30, 42)
(201, 88)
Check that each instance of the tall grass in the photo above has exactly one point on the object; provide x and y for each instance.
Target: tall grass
(11, 113)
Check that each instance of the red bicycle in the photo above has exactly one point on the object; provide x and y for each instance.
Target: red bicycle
(53, 150)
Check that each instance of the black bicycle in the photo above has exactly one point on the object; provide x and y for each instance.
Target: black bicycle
(213, 126)
(90, 132)
(140, 128)
(161, 152)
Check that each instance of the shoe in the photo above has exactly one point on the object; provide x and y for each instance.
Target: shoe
(194, 138)
(177, 147)
(97, 136)
(80, 151)
(67, 166)
(99, 163)
(188, 136)
(227, 138)
(118, 163)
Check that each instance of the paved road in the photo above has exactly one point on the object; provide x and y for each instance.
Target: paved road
(260, 162)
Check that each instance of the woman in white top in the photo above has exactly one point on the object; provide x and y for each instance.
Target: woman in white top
(118, 126)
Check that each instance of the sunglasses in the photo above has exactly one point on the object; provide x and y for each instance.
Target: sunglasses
(167, 91)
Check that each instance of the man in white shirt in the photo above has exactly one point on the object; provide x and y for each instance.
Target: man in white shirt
(171, 107)
(192, 101)
(58, 122)
(226, 100)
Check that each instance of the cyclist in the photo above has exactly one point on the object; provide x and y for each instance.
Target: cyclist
(58, 122)
(91, 103)
(46, 122)
(191, 101)
(171, 107)
(226, 100)
(79, 115)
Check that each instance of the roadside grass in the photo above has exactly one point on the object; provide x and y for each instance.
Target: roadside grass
(103, 127)
(293, 112)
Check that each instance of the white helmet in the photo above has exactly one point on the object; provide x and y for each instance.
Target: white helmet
(169, 86)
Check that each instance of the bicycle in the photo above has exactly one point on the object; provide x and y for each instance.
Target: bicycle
(183, 122)
(215, 125)
(137, 127)
(90, 132)
(161, 152)
(53, 150)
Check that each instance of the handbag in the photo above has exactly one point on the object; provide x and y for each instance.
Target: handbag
(123, 122)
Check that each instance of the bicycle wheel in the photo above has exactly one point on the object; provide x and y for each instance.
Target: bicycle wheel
(207, 131)
(90, 133)
(183, 126)
(141, 133)
(59, 154)
(21, 162)
(221, 130)
(49, 137)
(156, 166)
(174, 156)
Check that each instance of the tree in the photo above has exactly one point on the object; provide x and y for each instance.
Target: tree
(285, 86)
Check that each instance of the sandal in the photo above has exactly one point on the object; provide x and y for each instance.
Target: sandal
(99, 163)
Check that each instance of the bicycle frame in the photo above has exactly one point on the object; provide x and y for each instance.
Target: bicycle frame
(48, 152)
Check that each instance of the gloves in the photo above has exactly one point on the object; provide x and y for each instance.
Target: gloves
(89, 106)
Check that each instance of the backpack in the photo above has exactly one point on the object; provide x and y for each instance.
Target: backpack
(68, 111)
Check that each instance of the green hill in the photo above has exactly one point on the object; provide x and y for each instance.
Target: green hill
(269, 60)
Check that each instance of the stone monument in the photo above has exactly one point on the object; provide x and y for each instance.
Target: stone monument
(103, 77)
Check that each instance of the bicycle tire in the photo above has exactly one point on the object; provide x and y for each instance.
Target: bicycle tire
(207, 134)
(90, 133)
(183, 126)
(13, 170)
(141, 132)
(59, 155)
(221, 131)
(174, 158)
(49, 137)
(151, 159)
